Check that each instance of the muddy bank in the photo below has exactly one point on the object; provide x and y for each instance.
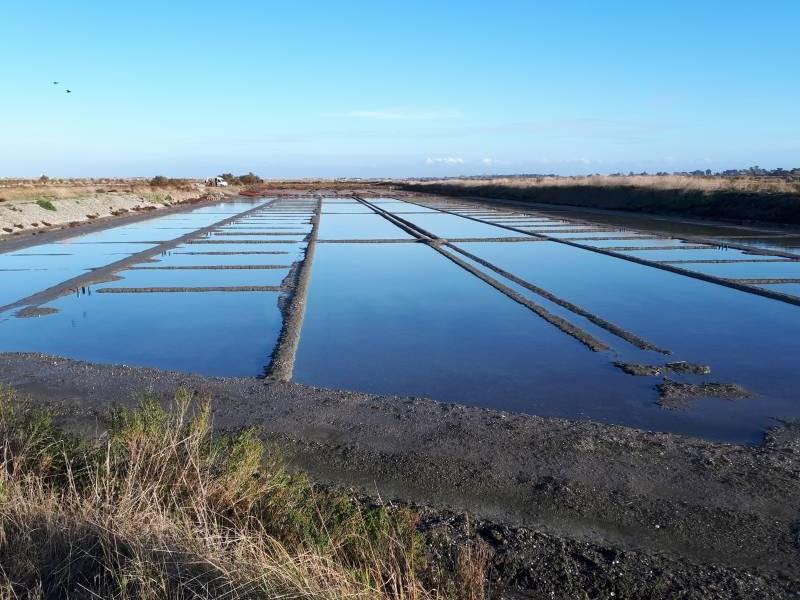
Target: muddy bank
(677, 395)
(740, 206)
(580, 505)
(657, 370)
(293, 307)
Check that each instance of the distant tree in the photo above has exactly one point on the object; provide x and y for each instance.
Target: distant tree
(159, 180)
(44, 179)
(250, 179)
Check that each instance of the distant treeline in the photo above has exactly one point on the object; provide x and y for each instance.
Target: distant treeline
(230, 178)
(248, 179)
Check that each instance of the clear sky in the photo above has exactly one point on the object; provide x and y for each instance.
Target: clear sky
(379, 88)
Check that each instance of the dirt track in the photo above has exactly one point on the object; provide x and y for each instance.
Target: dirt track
(578, 505)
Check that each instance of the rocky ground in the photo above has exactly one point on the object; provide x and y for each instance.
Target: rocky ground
(564, 509)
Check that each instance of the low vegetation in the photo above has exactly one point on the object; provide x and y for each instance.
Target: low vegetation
(161, 181)
(248, 179)
(742, 198)
(162, 507)
(46, 204)
(789, 184)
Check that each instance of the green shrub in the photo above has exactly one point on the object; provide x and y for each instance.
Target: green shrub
(163, 507)
(161, 181)
(46, 204)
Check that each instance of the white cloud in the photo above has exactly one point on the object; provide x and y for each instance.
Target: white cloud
(445, 160)
(488, 161)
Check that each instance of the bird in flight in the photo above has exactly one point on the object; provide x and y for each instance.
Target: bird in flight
(69, 91)
(55, 83)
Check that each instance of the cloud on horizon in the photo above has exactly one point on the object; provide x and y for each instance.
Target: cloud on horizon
(445, 160)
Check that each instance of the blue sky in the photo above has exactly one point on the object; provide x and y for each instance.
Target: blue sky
(357, 88)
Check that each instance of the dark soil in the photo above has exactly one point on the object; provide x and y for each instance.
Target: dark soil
(675, 394)
(687, 367)
(658, 370)
(571, 509)
(640, 370)
(35, 311)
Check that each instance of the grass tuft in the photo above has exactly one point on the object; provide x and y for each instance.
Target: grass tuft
(164, 507)
(46, 204)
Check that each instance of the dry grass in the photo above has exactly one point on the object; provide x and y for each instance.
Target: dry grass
(163, 508)
(27, 190)
(666, 182)
(472, 563)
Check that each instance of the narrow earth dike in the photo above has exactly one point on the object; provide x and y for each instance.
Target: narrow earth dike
(725, 204)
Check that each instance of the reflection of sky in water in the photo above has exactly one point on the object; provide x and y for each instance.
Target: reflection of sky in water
(402, 319)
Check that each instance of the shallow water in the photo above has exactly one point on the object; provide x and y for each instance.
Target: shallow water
(396, 319)
(169, 331)
(403, 319)
(144, 278)
(358, 226)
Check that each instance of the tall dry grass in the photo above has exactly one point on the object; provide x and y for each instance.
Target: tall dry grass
(163, 508)
(665, 182)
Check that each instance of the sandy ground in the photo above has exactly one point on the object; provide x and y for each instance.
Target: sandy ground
(572, 509)
(21, 209)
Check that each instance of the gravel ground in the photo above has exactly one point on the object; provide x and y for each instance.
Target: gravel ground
(570, 509)
(27, 216)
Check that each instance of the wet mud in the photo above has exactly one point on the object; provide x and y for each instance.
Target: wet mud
(678, 395)
(35, 311)
(293, 305)
(211, 268)
(167, 289)
(569, 509)
(640, 370)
